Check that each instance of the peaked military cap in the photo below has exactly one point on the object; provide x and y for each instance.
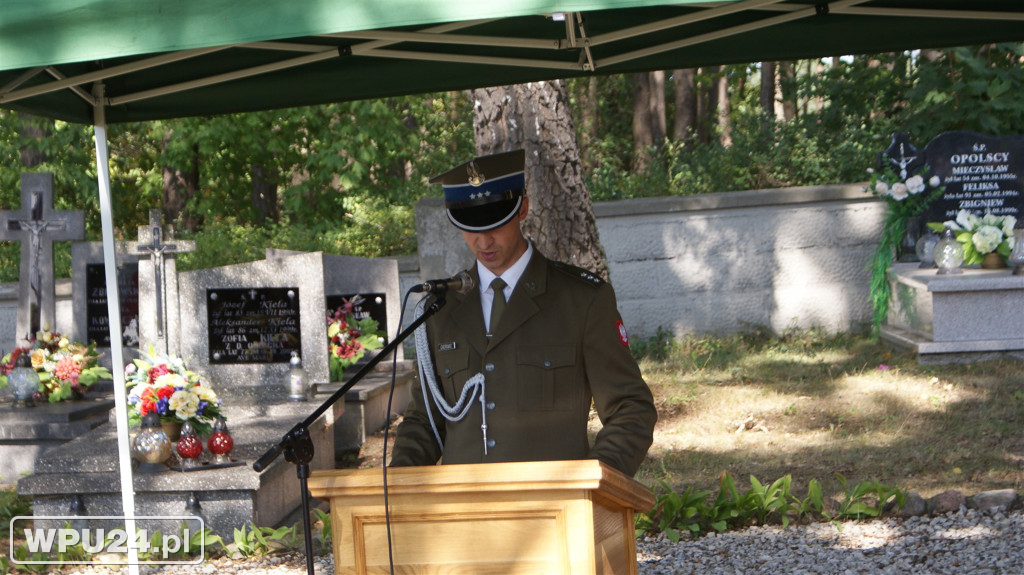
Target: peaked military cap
(484, 193)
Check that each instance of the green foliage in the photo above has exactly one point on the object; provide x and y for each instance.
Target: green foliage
(673, 512)
(691, 512)
(969, 88)
(12, 505)
(867, 499)
(324, 534)
(258, 541)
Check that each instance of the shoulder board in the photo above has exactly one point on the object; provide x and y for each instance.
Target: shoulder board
(579, 273)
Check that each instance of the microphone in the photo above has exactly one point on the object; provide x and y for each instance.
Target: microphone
(461, 282)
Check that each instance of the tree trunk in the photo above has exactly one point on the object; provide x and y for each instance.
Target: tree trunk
(685, 119)
(707, 105)
(787, 90)
(536, 117)
(724, 109)
(768, 92)
(33, 128)
(179, 187)
(590, 123)
(263, 194)
(643, 137)
(649, 117)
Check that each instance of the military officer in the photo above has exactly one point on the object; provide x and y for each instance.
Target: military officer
(517, 364)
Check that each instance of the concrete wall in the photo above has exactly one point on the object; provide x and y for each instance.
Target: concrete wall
(720, 263)
(713, 263)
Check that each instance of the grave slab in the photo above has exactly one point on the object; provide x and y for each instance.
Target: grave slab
(229, 497)
(955, 318)
(26, 434)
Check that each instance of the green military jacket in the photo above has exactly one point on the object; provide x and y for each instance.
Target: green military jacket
(559, 346)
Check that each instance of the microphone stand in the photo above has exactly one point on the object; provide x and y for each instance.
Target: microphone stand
(297, 445)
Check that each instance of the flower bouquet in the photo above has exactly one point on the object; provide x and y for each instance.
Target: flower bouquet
(66, 369)
(162, 384)
(980, 235)
(348, 339)
(905, 198)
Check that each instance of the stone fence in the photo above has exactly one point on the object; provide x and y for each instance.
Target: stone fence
(712, 263)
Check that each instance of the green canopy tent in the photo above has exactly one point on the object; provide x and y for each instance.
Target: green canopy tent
(100, 61)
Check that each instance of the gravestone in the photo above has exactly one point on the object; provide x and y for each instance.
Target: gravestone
(981, 173)
(89, 296)
(37, 225)
(159, 304)
(315, 279)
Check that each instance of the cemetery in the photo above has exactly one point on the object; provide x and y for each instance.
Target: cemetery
(167, 378)
(239, 325)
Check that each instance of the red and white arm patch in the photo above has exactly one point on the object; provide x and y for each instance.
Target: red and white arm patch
(623, 338)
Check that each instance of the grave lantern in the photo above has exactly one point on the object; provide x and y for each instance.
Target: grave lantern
(24, 382)
(220, 442)
(1016, 258)
(949, 254)
(152, 446)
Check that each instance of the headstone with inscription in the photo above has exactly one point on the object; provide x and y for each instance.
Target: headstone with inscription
(981, 173)
(89, 295)
(37, 225)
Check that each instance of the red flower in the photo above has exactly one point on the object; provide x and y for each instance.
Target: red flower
(156, 371)
(146, 406)
(165, 392)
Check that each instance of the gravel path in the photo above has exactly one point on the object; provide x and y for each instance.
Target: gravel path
(966, 541)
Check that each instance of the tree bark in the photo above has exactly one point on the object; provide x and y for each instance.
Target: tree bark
(787, 90)
(684, 122)
(179, 187)
(33, 128)
(724, 109)
(707, 105)
(263, 194)
(536, 117)
(768, 91)
(643, 137)
(590, 123)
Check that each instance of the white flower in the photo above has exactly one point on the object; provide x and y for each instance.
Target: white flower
(898, 191)
(205, 394)
(915, 184)
(1009, 222)
(184, 403)
(934, 181)
(881, 188)
(967, 220)
(987, 238)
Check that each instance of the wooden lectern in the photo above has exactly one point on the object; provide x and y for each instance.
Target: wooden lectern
(545, 517)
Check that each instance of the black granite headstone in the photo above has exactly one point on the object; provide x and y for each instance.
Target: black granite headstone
(372, 305)
(981, 173)
(253, 325)
(97, 319)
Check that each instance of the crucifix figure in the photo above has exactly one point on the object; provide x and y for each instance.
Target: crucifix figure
(151, 243)
(36, 225)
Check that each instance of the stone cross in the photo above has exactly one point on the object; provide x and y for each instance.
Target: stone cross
(37, 225)
(160, 298)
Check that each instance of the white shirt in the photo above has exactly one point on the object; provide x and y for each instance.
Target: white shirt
(511, 277)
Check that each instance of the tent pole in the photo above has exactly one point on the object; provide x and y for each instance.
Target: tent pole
(114, 318)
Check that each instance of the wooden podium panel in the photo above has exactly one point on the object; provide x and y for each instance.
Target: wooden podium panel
(543, 517)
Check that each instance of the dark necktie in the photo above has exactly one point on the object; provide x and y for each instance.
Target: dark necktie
(498, 305)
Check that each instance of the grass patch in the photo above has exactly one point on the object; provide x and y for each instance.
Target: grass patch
(813, 405)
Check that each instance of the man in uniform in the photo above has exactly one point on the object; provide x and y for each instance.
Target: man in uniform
(533, 348)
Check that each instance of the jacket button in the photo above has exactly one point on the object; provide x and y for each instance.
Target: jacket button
(547, 364)
(489, 367)
(490, 405)
(490, 443)
(447, 371)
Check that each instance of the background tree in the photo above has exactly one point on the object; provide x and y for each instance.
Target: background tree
(537, 118)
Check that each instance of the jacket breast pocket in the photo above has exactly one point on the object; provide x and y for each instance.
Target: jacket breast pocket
(452, 368)
(547, 377)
